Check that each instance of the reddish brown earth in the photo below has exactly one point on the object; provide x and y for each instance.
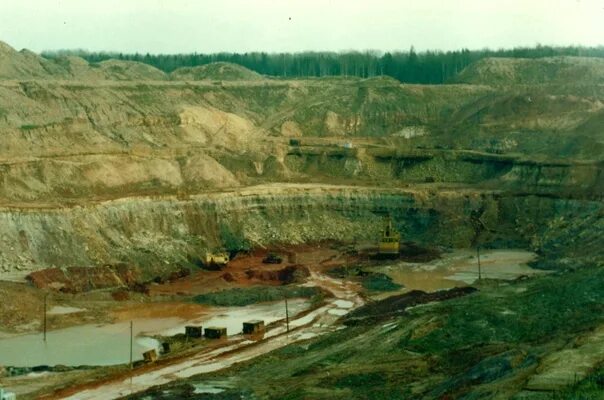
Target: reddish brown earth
(83, 279)
(248, 269)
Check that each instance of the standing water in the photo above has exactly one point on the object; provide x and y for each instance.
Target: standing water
(110, 344)
(78, 345)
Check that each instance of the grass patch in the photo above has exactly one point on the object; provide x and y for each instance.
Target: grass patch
(591, 387)
(238, 297)
(371, 281)
(378, 282)
(361, 380)
(549, 307)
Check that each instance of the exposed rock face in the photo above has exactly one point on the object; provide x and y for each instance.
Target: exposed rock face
(160, 235)
(79, 279)
(114, 162)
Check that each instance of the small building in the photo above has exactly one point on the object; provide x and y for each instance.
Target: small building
(252, 327)
(150, 356)
(193, 331)
(5, 395)
(215, 332)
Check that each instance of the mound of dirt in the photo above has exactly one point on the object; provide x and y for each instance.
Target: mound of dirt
(81, 279)
(78, 68)
(216, 71)
(202, 168)
(287, 275)
(555, 70)
(382, 80)
(396, 305)
(25, 65)
(129, 70)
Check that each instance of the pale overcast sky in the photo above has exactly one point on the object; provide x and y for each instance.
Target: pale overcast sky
(175, 26)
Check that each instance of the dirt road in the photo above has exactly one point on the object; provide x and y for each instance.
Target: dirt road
(237, 349)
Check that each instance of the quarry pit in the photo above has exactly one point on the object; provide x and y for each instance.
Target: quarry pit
(114, 190)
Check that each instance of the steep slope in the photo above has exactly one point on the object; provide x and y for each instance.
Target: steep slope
(163, 233)
(86, 138)
(25, 65)
(555, 70)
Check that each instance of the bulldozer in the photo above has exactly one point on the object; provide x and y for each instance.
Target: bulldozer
(216, 260)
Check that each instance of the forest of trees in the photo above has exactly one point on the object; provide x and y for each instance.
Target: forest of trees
(430, 67)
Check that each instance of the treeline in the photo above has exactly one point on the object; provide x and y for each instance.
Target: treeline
(428, 67)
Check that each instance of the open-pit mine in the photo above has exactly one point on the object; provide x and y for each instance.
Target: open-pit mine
(239, 236)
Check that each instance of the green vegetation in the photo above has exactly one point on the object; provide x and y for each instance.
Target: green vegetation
(589, 388)
(233, 241)
(470, 347)
(431, 67)
(550, 307)
(378, 282)
(371, 281)
(238, 297)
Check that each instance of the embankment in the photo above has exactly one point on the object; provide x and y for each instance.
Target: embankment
(163, 234)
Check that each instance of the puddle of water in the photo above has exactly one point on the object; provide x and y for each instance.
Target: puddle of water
(343, 303)
(497, 264)
(110, 344)
(460, 268)
(61, 310)
(210, 387)
(80, 345)
(233, 318)
(307, 335)
(207, 389)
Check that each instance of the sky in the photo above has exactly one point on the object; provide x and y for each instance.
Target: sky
(203, 26)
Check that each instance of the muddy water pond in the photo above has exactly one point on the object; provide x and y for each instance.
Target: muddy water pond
(459, 268)
(110, 344)
(78, 345)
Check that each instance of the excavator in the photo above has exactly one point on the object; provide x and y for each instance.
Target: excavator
(389, 245)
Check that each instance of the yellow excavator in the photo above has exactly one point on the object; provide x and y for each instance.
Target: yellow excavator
(389, 245)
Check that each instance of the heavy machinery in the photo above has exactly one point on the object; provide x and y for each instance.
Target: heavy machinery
(272, 258)
(216, 260)
(389, 245)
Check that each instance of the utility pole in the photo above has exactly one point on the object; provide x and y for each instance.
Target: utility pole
(45, 304)
(286, 315)
(478, 258)
(130, 344)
